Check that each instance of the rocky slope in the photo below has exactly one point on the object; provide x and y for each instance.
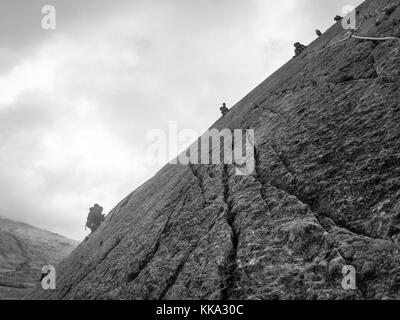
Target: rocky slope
(325, 193)
(24, 250)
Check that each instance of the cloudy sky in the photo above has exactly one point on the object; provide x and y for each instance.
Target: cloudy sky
(76, 102)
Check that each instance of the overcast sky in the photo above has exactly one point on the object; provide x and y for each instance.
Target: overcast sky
(76, 102)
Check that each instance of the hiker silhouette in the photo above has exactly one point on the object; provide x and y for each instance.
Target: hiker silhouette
(224, 109)
(95, 218)
(299, 48)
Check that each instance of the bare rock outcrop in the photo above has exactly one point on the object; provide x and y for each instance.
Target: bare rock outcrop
(325, 193)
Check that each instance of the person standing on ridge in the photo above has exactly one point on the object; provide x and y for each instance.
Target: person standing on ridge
(338, 18)
(299, 48)
(224, 109)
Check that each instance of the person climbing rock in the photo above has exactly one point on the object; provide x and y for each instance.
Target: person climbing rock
(299, 48)
(338, 18)
(95, 217)
(224, 109)
(318, 32)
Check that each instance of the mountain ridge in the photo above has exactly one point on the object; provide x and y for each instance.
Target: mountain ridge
(24, 250)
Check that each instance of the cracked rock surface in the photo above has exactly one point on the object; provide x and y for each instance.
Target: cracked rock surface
(325, 192)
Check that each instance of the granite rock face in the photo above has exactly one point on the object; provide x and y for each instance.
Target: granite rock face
(325, 192)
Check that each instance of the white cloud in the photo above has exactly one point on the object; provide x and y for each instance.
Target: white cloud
(35, 73)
